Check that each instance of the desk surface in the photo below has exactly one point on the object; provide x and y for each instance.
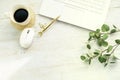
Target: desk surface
(55, 55)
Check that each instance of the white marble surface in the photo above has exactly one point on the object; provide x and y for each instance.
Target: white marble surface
(55, 55)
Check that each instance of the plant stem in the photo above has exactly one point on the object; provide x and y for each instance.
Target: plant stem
(114, 49)
(103, 51)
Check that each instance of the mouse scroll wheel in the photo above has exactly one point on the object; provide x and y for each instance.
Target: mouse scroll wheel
(28, 31)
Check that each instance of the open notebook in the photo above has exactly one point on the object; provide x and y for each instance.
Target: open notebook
(88, 14)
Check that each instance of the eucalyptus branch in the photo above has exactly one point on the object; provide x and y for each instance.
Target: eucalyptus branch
(103, 51)
(114, 49)
(100, 37)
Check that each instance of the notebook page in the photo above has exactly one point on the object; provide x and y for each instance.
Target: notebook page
(88, 14)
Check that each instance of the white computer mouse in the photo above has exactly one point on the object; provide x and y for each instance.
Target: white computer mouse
(26, 37)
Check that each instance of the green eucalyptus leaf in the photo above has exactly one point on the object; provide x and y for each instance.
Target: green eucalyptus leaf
(117, 41)
(96, 50)
(112, 62)
(89, 61)
(88, 46)
(102, 42)
(99, 42)
(82, 57)
(97, 35)
(105, 28)
(89, 39)
(109, 48)
(105, 64)
(92, 34)
(88, 55)
(113, 31)
(105, 43)
(96, 53)
(114, 26)
(107, 55)
(102, 59)
(105, 36)
(97, 30)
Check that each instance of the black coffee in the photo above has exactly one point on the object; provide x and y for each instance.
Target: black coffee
(20, 15)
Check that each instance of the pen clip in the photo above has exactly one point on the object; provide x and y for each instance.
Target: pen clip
(45, 27)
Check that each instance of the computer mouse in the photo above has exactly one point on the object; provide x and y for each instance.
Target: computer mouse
(26, 37)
